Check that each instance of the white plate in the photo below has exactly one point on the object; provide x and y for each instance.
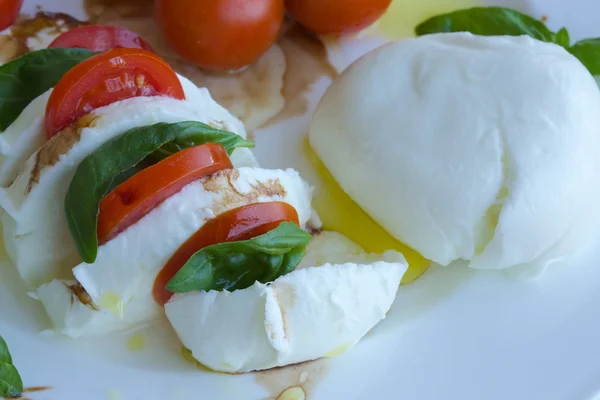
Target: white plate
(454, 334)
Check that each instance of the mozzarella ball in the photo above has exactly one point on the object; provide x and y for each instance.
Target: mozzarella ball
(466, 147)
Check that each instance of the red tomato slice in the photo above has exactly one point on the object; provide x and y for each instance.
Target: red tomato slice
(100, 38)
(138, 195)
(111, 76)
(9, 10)
(241, 223)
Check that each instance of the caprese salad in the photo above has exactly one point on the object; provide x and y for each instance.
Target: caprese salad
(129, 194)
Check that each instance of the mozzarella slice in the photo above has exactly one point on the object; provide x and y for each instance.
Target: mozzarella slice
(335, 248)
(70, 311)
(310, 313)
(26, 134)
(120, 281)
(22, 138)
(34, 225)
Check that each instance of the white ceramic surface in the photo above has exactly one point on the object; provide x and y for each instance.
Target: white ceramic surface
(455, 334)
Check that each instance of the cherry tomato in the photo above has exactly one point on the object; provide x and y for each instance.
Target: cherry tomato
(334, 17)
(100, 38)
(138, 195)
(241, 223)
(220, 34)
(9, 10)
(111, 76)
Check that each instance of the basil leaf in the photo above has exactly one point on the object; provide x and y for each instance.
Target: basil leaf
(562, 38)
(237, 265)
(588, 52)
(208, 134)
(10, 380)
(123, 176)
(27, 77)
(487, 21)
(95, 175)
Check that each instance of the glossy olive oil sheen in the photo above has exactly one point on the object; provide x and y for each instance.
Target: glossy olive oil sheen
(135, 342)
(340, 213)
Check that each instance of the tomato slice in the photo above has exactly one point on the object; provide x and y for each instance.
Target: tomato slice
(100, 38)
(138, 195)
(111, 76)
(241, 223)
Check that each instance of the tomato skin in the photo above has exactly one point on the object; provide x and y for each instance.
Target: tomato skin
(9, 11)
(111, 76)
(220, 34)
(241, 223)
(100, 38)
(335, 17)
(137, 196)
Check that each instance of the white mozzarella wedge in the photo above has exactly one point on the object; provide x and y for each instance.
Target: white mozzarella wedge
(120, 281)
(22, 138)
(313, 312)
(34, 225)
(334, 248)
(72, 313)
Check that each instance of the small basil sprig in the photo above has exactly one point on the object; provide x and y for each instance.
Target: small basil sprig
(27, 77)
(111, 164)
(487, 21)
(10, 380)
(237, 265)
(562, 38)
(497, 21)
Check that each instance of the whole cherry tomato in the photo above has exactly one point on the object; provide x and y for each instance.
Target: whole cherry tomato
(220, 34)
(334, 17)
(9, 10)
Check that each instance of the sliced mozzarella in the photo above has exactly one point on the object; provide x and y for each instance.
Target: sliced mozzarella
(26, 134)
(310, 313)
(335, 248)
(22, 138)
(34, 224)
(70, 313)
(122, 277)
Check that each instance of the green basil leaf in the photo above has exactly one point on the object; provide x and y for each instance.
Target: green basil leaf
(27, 77)
(588, 52)
(208, 135)
(562, 38)
(123, 176)
(96, 174)
(487, 21)
(10, 380)
(237, 265)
